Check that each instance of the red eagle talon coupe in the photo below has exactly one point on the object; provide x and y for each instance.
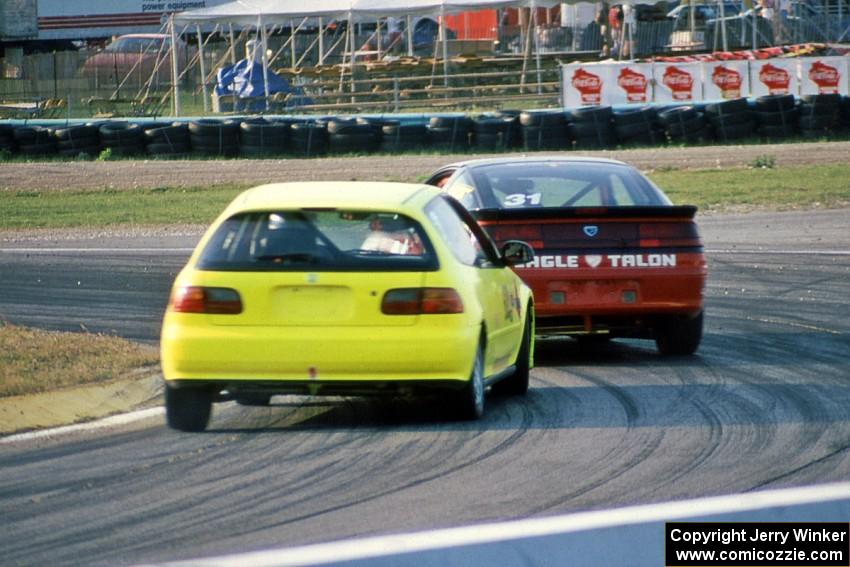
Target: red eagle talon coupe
(613, 256)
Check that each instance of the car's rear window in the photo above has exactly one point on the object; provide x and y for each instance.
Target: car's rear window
(326, 240)
(560, 184)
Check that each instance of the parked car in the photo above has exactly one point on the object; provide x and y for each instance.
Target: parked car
(135, 57)
(613, 256)
(345, 289)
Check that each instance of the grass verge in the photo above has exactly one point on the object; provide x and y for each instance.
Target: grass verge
(33, 361)
(709, 189)
(776, 188)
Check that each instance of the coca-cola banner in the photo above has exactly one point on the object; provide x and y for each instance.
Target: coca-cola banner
(632, 84)
(774, 77)
(823, 75)
(621, 83)
(725, 80)
(677, 82)
(584, 83)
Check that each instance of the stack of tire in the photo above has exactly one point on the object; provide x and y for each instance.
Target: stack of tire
(168, 140)
(845, 113)
(776, 116)
(377, 126)
(449, 133)
(7, 138)
(592, 127)
(210, 137)
(73, 141)
(638, 127)
(34, 141)
(819, 115)
(347, 136)
(731, 119)
(544, 130)
(497, 133)
(259, 137)
(683, 124)
(401, 137)
(122, 139)
(308, 139)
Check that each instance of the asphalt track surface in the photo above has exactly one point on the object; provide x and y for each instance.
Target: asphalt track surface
(764, 404)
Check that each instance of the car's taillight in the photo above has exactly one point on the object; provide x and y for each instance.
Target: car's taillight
(421, 301)
(660, 234)
(213, 300)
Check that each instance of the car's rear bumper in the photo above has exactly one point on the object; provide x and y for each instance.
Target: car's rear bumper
(624, 304)
(235, 388)
(316, 355)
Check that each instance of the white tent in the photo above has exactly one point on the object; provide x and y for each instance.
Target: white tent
(245, 12)
(264, 13)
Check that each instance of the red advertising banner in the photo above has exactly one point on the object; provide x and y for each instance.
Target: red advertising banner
(774, 77)
(824, 75)
(634, 84)
(725, 80)
(623, 83)
(678, 82)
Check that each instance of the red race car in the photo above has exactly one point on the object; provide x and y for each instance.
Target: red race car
(613, 256)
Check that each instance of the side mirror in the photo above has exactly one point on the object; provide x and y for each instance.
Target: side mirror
(515, 252)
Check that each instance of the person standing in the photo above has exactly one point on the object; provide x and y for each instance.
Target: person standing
(604, 29)
(615, 22)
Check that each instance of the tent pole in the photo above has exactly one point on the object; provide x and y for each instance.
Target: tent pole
(232, 45)
(203, 69)
(445, 46)
(292, 41)
(536, 46)
(409, 36)
(264, 43)
(321, 42)
(526, 49)
(174, 70)
(723, 26)
(378, 36)
(353, 40)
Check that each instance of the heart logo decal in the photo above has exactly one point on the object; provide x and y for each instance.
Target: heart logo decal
(593, 261)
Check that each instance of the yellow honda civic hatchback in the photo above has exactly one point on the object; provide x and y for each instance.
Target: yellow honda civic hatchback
(349, 288)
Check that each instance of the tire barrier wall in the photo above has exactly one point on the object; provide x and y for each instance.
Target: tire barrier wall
(769, 118)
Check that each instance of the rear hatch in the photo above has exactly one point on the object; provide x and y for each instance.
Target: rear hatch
(313, 299)
(315, 267)
(600, 257)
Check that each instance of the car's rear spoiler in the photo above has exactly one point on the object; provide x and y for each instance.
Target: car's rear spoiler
(679, 211)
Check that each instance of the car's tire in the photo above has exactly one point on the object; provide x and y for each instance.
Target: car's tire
(774, 103)
(517, 383)
(727, 108)
(75, 133)
(543, 119)
(188, 409)
(679, 335)
(469, 402)
(45, 149)
(78, 143)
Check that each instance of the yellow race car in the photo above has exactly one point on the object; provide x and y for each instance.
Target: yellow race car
(348, 288)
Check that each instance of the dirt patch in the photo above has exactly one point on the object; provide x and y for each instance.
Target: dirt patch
(194, 173)
(135, 390)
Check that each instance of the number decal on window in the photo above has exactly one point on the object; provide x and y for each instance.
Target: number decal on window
(522, 200)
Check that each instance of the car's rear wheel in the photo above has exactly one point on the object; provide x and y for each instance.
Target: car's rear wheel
(188, 409)
(469, 403)
(679, 335)
(517, 383)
